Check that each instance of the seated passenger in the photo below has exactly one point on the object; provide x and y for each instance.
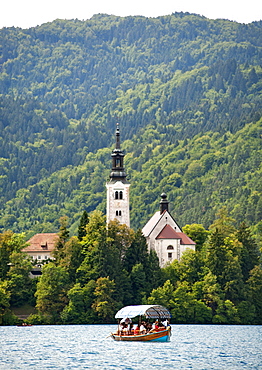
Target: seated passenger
(160, 327)
(142, 329)
(165, 323)
(125, 330)
(137, 330)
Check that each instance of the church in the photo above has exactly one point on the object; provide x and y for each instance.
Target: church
(161, 232)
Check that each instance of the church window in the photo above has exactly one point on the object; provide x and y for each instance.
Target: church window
(170, 247)
(120, 195)
(169, 255)
(119, 212)
(116, 194)
(116, 213)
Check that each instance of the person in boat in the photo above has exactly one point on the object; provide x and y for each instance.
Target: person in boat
(155, 326)
(131, 329)
(165, 323)
(137, 330)
(142, 329)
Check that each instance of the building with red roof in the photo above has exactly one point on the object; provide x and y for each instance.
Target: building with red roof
(41, 246)
(165, 236)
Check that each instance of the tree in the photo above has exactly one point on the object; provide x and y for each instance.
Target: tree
(226, 313)
(104, 304)
(59, 252)
(255, 292)
(94, 249)
(20, 285)
(162, 295)
(185, 308)
(250, 254)
(82, 225)
(209, 291)
(138, 283)
(72, 257)
(216, 253)
(6, 317)
(9, 243)
(223, 224)
(137, 252)
(78, 310)
(191, 267)
(51, 294)
(197, 233)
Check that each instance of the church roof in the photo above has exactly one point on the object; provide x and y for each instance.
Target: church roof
(186, 240)
(169, 233)
(149, 226)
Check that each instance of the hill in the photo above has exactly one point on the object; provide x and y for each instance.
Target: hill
(185, 89)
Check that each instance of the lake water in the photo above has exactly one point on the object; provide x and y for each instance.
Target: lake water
(87, 347)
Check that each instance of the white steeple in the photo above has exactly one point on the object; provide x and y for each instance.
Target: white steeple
(118, 187)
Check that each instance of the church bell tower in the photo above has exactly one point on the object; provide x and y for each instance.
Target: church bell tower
(118, 187)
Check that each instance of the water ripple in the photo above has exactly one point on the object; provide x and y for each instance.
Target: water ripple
(86, 347)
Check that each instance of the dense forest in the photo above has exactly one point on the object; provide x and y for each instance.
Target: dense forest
(186, 91)
(107, 266)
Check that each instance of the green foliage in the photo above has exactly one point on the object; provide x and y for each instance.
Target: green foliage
(4, 303)
(104, 304)
(82, 225)
(197, 233)
(51, 294)
(112, 267)
(78, 310)
(186, 90)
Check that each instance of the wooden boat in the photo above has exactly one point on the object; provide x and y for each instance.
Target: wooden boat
(150, 312)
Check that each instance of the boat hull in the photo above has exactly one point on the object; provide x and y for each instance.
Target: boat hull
(160, 336)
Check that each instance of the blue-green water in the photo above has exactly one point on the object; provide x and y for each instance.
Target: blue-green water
(87, 347)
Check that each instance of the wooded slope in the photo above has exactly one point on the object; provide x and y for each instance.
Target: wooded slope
(186, 91)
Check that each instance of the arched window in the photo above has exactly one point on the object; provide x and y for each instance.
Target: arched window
(116, 213)
(119, 213)
(116, 194)
(170, 247)
(120, 195)
(169, 256)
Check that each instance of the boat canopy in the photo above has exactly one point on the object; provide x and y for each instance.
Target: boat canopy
(150, 311)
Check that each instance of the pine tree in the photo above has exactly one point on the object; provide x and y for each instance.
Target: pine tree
(250, 255)
(82, 225)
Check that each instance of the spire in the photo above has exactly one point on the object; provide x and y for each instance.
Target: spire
(118, 171)
(163, 203)
(117, 137)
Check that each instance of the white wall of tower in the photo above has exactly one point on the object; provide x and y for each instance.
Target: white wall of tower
(118, 202)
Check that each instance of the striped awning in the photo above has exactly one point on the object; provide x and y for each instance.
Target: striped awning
(149, 311)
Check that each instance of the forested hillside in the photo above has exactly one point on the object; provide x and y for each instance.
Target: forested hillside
(186, 91)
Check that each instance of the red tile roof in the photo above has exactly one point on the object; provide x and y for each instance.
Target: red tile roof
(186, 240)
(41, 242)
(169, 233)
